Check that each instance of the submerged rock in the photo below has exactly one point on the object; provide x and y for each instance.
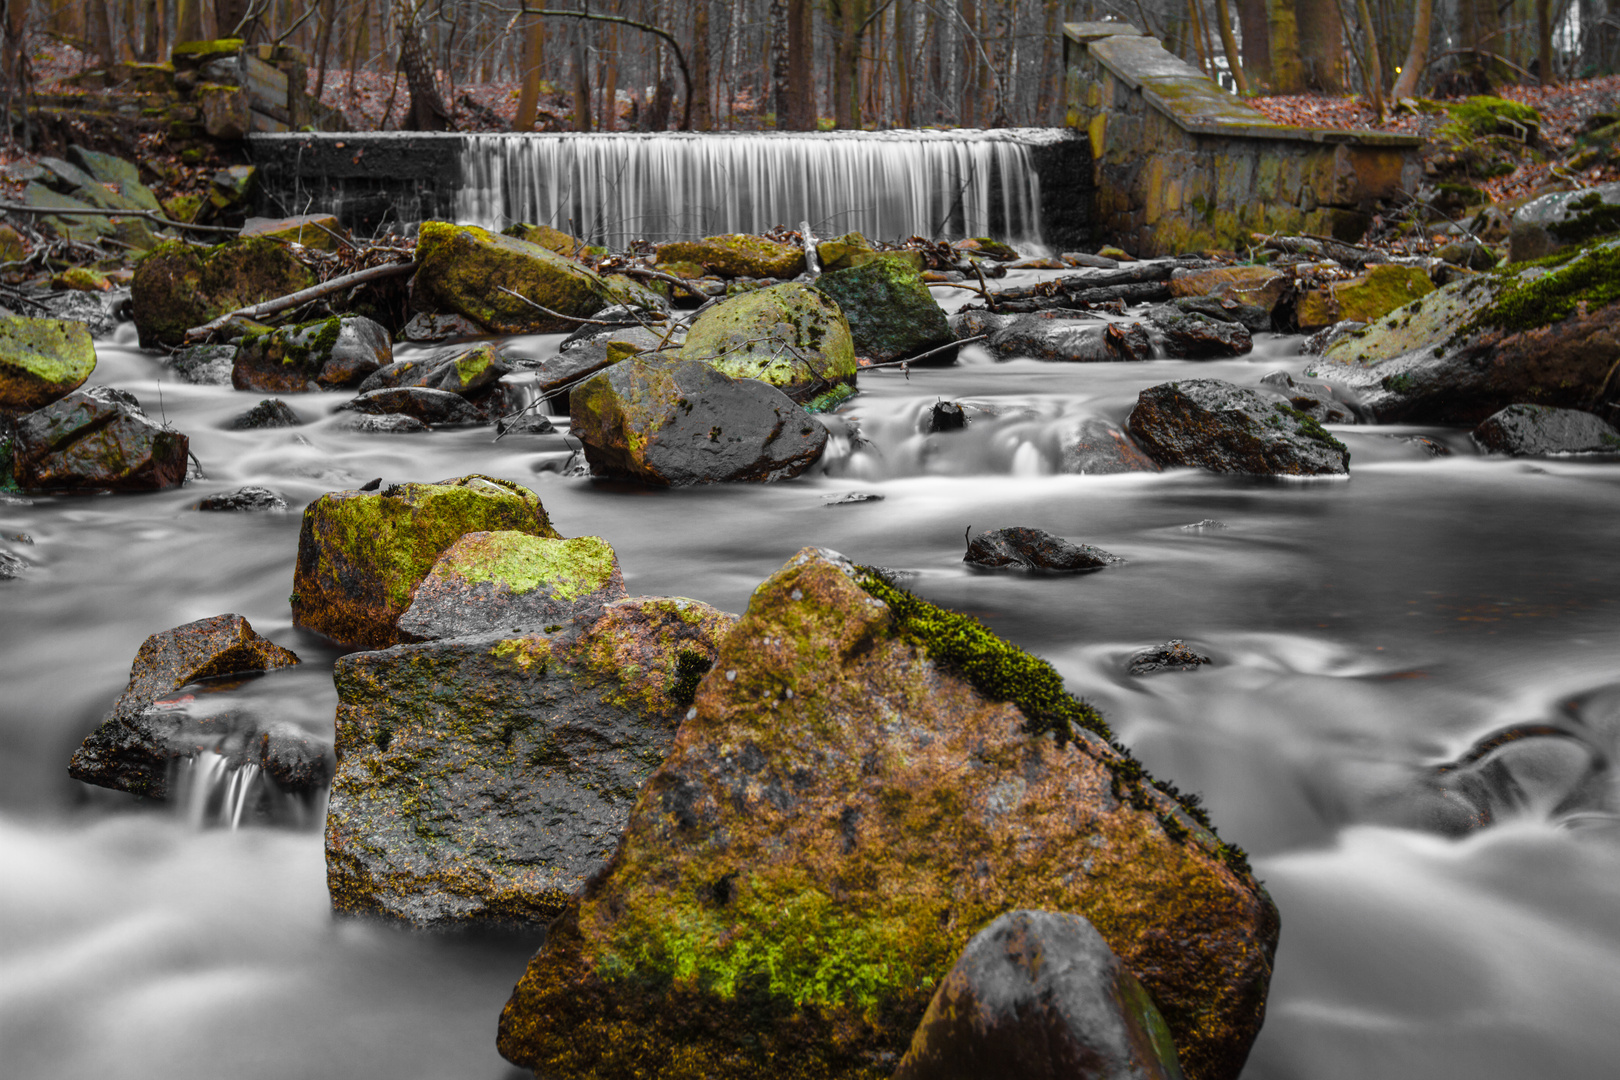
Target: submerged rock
(850, 799)
(1173, 655)
(249, 498)
(136, 745)
(97, 439)
(483, 779)
(1039, 995)
(946, 416)
(1536, 430)
(678, 422)
(178, 286)
(270, 413)
(1214, 425)
(1098, 447)
(891, 313)
(362, 554)
(1034, 549)
(736, 255)
(462, 270)
(323, 355)
(41, 360)
(790, 336)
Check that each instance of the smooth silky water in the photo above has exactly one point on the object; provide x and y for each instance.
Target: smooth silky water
(1363, 632)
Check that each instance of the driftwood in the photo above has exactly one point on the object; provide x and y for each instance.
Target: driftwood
(1322, 247)
(303, 296)
(44, 211)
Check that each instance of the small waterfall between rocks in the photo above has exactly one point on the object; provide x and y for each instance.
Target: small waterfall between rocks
(212, 792)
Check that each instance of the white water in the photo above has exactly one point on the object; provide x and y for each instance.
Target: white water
(615, 188)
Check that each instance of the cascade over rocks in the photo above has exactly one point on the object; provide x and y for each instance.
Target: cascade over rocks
(97, 439)
(362, 554)
(482, 779)
(1034, 549)
(1214, 425)
(840, 813)
(790, 336)
(1537, 430)
(136, 744)
(178, 286)
(676, 422)
(1039, 995)
(323, 355)
(41, 360)
(462, 269)
(891, 313)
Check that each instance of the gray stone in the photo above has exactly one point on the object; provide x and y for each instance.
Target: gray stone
(435, 408)
(1098, 447)
(1193, 335)
(394, 424)
(1315, 399)
(1173, 655)
(249, 498)
(270, 413)
(1069, 340)
(325, 355)
(204, 365)
(1562, 219)
(1537, 430)
(97, 438)
(1034, 549)
(1214, 425)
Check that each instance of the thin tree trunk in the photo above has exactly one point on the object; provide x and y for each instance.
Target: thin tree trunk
(702, 118)
(969, 112)
(1375, 64)
(905, 93)
(1416, 56)
(427, 111)
(1256, 42)
(1282, 28)
(781, 65)
(582, 80)
(1544, 35)
(1223, 16)
(534, 57)
(1197, 36)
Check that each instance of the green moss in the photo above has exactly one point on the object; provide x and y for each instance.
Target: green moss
(1593, 218)
(1478, 117)
(1527, 300)
(736, 255)
(1306, 425)
(200, 51)
(463, 268)
(42, 359)
(8, 481)
(690, 667)
(829, 401)
(790, 336)
(569, 569)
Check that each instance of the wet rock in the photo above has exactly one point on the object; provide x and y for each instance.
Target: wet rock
(435, 408)
(483, 779)
(493, 582)
(1468, 254)
(678, 422)
(41, 360)
(11, 566)
(249, 498)
(1551, 223)
(137, 743)
(1205, 525)
(204, 365)
(1252, 317)
(1211, 424)
(1173, 655)
(528, 421)
(946, 416)
(987, 247)
(1069, 340)
(790, 336)
(323, 355)
(318, 231)
(362, 554)
(841, 793)
(1367, 297)
(1537, 430)
(736, 255)
(891, 313)
(97, 439)
(178, 286)
(1185, 335)
(1315, 399)
(1424, 443)
(1034, 549)
(1039, 994)
(99, 312)
(1097, 447)
(464, 371)
(270, 413)
(854, 498)
(853, 249)
(1319, 342)
(1250, 295)
(426, 327)
(391, 424)
(462, 270)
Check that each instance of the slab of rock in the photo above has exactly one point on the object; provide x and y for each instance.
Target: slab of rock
(1551, 223)
(178, 286)
(435, 408)
(1075, 341)
(508, 582)
(1034, 549)
(1173, 655)
(790, 336)
(1097, 447)
(136, 745)
(1212, 424)
(41, 360)
(1367, 297)
(842, 809)
(1538, 430)
(736, 255)
(204, 365)
(483, 779)
(270, 413)
(249, 498)
(677, 422)
(1039, 995)
(1192, 335)
(891, 312)
(361, 554)
(463, 268)
(97, 439)
(325, 355)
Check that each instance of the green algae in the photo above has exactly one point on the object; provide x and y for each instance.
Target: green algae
(569, 569)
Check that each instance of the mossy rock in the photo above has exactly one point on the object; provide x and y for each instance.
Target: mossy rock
(193, 54)
(626, 290)
(324, 355)
(890, 310)
(1563, 219)
(81, 279)
(1484, 116)
(42, 360)
(790, 336)
(321, 232)
(551, 239)
(462, 269)
(864, 782)
(97, 439)
(736, 255)
(987, 247)
(178, 286)
(182, 208)
(12, 247)
(1367, 297)
(848, 250)
(361, 555)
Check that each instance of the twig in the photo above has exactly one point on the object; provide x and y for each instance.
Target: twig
(41, 211)
(556, 314)
(297, 299)
(926, 355)
(957, 285)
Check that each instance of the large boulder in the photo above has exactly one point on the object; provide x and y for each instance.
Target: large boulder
(675, 422)
(1212, 424)
(1563, 219)
(891, 313)
(483, 779)
(1048, 336)
(790, 336)
(737, 255)
(1370, 295)
(863, 782)
(1542, 334)
(138, 743)
(97, 439)
(361, 554)
(462, 270)
(1536, 430)
(1039, 995)
(41, 360)
(489, 582)
(325, 355)
(1034, 549)
(178, 286)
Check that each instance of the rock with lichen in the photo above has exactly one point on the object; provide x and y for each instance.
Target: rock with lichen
(97, 439)
(736, 255)
(483, 779)
(325, 355)
(890, 311)
(1368, 296)
(1539, 333)
(790, 336)
(1212, 424)
(1553, 222)
(472, 372)
(362, 554)
(41, 360)
(468, 271)
(863, 783)
(178, 286)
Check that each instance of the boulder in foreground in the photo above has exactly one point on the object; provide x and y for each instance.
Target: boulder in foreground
(1214, 425)
(462, 270)
(97, 439)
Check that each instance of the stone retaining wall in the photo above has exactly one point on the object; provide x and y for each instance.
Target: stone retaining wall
(1178, 164)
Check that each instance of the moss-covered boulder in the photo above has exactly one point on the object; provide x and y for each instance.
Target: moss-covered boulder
(462, 270)
(736, 255)
(1214, 425)
(489, 582)
(97, 439)
(863, 783)
(362, 554)
(41, 360)
(178, 286)
(12, 248)
(673, 422)
(483, 779)
(1368, 296)
(325, 355)
(891, 313)
(853, 249)
(1540, 333)
(555, 240)
(790, 336)
(1563, 219)
(986, 247)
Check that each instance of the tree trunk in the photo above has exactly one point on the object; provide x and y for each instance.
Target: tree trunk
(582, 79)
(801, 83)
(427, 111)
(1375, 63)
(610, 83)
(1321, 44)
(228, 14)
(968, 114)
(846, 62)
(702, 118)
(905, 93)
(1223, 16)
(1480, 29)
(1416, 56)
(1256, 42)
(1544, 51)
(1287, 73)
(534, 59)
(781, 66)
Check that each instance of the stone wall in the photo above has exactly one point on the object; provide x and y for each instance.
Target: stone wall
(1178, 164)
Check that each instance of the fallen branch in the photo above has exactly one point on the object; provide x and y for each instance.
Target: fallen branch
(303, 296)
(43, 211)
(655, 275)
(926, 355)
(558, 314)
(1322, 247)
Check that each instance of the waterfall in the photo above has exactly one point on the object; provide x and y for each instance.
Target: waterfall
(211, 791)
(611, 189)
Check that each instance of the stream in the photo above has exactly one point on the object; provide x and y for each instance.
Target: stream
(1432, 611)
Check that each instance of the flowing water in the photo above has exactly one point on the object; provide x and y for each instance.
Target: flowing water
(1425, 613)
